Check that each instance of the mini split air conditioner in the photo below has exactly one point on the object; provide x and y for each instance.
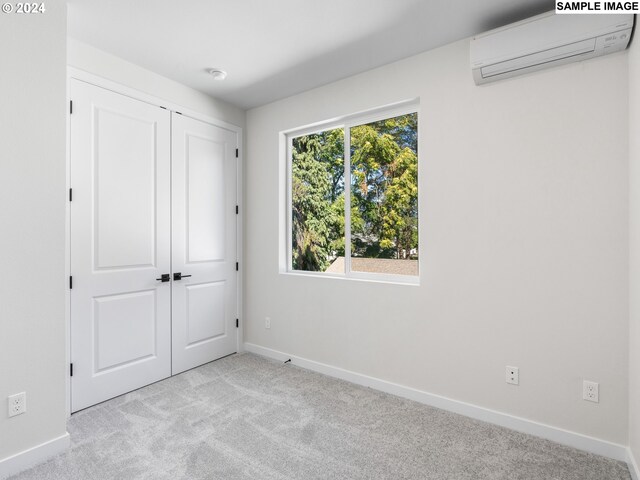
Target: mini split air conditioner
(545, 41)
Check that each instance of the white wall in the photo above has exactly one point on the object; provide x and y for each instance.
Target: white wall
(634, 244)
(32, 195)
(90, 59)
(524, 242)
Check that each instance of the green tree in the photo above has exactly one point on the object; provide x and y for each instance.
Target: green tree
(383, 193)
(314, 191)
(384, 171)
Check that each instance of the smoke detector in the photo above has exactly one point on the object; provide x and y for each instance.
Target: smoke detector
(217, 73)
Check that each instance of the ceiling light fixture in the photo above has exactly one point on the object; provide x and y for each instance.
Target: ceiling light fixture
(217, 73)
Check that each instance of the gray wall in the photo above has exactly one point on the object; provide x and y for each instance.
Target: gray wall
(634, 248)
(524, 221)
(32, 220)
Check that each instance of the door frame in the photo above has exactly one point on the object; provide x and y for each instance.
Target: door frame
(90, 78)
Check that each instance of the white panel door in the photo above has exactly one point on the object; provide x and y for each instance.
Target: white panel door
(204, 175)
(120, 244)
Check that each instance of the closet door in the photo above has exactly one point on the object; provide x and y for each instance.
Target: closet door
(204, 175)
(120, 244)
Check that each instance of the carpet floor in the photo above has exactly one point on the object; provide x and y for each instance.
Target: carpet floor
(246, 417)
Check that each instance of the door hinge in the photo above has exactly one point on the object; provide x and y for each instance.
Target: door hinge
(237, 153)
(237, 323)
(70, 282)
(70, 107)
(236, 266)
(71, 370)
(237, 209)
(71, 194)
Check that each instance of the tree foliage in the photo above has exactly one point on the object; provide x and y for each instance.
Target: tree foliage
(383, 193)
(315, 193)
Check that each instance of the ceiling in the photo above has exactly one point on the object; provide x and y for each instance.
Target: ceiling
(272, 49)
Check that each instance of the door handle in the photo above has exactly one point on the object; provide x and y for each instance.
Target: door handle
(179, 276)
(165, 277)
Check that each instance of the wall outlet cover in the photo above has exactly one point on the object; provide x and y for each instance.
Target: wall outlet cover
(512, 375)
(17, 404)
(590, 391)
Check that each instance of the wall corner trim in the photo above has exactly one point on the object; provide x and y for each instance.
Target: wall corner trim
(564, 437)
(28, 458)
(633, 465)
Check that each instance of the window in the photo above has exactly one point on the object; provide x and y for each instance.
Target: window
(353, 198)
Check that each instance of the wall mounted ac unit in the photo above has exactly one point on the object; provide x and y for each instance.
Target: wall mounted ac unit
(544, 41)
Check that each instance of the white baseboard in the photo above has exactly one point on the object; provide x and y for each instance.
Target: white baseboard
(32, 456)
(633, 466)
(564, 437)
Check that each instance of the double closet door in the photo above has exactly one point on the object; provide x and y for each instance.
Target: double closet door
(152, 242)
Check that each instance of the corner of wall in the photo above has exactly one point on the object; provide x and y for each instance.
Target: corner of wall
(634, 253)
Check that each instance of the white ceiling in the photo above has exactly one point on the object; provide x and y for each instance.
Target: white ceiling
(272, 49)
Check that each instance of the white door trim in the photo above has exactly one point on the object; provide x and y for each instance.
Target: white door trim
(98, 81)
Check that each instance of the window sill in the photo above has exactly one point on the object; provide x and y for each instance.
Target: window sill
(407, 280)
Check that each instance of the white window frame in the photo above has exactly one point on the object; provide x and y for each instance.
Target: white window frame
(346, 123)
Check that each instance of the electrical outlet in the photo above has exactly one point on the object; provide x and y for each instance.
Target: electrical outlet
(590, 391)
(267, 322)
(513, 375)
(17, 404)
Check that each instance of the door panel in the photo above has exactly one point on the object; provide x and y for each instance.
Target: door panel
(133, 313)
(203, 242)
(205, 202)
(120, 244)
(124, 175)
(205, 312)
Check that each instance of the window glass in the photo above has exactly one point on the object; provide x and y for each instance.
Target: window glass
(384, 196)
(317, 200)
(376, 231)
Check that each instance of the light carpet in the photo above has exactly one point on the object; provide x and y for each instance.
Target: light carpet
(247, 417)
